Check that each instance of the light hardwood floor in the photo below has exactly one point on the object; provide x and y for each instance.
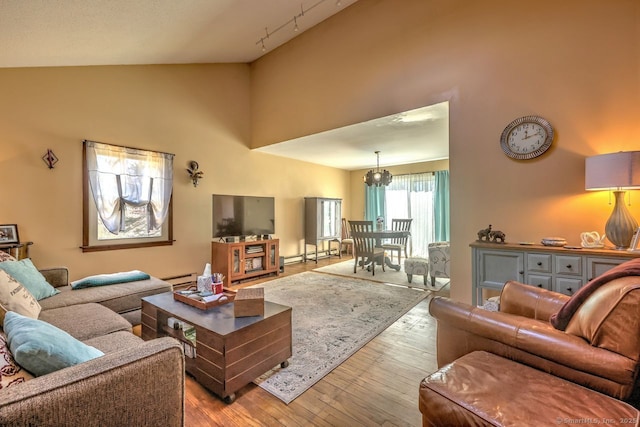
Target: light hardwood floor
(377, 386)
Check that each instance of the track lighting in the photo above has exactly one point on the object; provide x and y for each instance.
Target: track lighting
(294, 21)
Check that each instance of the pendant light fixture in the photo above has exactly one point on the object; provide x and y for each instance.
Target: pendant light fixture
(377, 177)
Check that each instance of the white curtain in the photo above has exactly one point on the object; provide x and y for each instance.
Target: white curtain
(121, 176)
(412, 196)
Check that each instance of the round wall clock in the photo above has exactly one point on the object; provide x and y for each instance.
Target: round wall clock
(526, 137)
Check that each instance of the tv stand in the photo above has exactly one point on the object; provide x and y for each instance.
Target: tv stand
(245, 260)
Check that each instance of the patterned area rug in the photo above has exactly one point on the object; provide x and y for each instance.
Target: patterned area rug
(332, 318)
(345, 268)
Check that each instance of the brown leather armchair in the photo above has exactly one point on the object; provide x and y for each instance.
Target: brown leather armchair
(599, 349)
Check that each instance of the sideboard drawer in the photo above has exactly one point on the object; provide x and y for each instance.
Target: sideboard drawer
(567, 286)
(540, 263)
(569, 265)
(541, 281)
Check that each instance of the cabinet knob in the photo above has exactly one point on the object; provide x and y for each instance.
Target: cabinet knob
(539, 286)
(569, 266)
(570, 289)
(521, 272)
(539, 264)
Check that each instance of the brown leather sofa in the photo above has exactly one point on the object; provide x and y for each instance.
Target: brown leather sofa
(599, 349)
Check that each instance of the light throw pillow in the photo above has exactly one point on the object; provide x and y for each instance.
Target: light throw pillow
(41, 348)
(10, 372)
(15, 297)
(6, 257)
(26, 273)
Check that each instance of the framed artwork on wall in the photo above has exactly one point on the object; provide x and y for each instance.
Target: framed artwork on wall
(9, 233)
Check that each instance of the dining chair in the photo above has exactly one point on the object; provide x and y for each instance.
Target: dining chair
(347, 241)
(398, 244)
(364, 246)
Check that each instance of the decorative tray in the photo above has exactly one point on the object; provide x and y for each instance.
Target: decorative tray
(202, 305)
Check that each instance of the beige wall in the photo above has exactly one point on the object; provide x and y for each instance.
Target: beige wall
(575, 62)
(197, 112)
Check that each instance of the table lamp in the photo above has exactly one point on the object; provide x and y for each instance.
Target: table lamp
(616, 172)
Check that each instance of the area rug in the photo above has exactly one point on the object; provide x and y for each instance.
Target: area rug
(332, 318)
(345, 268)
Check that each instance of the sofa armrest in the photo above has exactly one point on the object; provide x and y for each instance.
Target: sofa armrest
(530, 301)
(142, 385)
(57, 276)
(463, 329)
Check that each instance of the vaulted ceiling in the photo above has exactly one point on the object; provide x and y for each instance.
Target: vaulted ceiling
(44, 33)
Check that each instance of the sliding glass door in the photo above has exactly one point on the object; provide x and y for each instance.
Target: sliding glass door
(418, 197)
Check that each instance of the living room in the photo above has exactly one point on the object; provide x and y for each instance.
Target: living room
(214, 114)
(573, 62)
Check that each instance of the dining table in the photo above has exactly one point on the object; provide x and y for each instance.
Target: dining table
(379, 236)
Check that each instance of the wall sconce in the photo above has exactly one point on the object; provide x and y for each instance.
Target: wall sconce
(195, 174)
(616, 172)
(50, 159)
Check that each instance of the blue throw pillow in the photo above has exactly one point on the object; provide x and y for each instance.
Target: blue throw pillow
(28, 275)
(41, 348)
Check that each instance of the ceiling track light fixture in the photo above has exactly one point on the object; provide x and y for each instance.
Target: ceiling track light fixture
(294, 21)
(377, 177)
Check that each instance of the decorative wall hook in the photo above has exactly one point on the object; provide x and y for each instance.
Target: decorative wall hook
(50, 159)
(195, 174)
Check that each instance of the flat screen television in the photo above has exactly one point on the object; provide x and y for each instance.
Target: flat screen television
(243, 215)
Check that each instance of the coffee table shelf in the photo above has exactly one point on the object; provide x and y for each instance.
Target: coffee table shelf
(230, 352)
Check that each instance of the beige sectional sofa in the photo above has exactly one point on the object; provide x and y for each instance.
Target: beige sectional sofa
(123, 298)
(136, 382)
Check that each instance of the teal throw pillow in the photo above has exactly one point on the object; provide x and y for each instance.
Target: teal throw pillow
(41, 348)
(110, 279)
(28, 275)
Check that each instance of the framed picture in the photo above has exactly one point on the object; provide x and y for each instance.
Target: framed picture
(9, 233)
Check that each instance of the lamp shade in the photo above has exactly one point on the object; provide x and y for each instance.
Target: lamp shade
(615, 170)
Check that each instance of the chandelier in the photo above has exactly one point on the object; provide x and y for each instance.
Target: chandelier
(377, 177)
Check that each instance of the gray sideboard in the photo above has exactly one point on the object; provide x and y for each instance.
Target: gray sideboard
(554, 268)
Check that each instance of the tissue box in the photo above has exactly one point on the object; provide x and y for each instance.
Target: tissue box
(249, 302)
(204, 284)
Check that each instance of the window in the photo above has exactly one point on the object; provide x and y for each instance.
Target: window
(126, 197)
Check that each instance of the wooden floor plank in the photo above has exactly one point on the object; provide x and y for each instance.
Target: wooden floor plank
(377, 386)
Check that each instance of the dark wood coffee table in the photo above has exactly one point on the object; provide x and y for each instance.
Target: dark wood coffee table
(230, 351)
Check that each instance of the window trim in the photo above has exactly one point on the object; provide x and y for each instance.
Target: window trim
(86, 199)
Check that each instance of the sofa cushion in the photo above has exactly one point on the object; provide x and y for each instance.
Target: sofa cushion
(42, 348)
(26, 273)
(85, 321)
(15, 297)
(561, 319)
(10, 372)
(114, 342)
(120, 298)
(607, 317)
